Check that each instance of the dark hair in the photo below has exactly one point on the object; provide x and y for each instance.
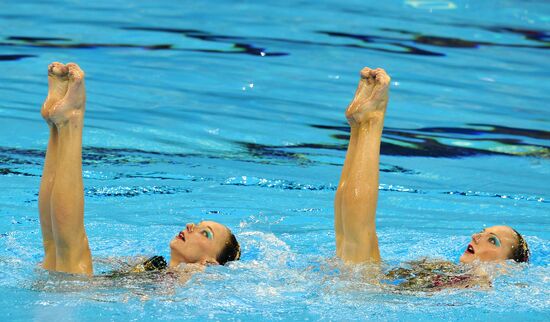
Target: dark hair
(520, 252)
(231, 251)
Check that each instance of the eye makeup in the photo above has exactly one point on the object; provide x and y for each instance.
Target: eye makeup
(494, 240)
(208, 234)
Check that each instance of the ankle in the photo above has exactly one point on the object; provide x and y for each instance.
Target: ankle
(368, 120)
(74, 120)
(71, 130)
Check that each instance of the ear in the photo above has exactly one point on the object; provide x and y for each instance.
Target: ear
(209, 261)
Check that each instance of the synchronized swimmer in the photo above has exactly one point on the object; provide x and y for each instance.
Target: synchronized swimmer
(61, 197)
(357, 194)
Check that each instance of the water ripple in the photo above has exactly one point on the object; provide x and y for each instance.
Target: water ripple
(128, 192)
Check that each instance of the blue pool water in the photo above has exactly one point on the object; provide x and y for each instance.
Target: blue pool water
(234, 112)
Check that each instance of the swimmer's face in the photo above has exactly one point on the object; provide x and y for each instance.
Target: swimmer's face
(199, 243)
(491, 244)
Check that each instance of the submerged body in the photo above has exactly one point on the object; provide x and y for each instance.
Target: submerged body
(434, 275)
(357, 195)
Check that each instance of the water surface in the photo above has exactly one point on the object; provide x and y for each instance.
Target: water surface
(234, 112)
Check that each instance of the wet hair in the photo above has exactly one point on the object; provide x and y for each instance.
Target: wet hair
(231, 250)
(520, 252)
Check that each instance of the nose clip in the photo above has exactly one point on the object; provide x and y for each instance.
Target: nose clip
(190, 227)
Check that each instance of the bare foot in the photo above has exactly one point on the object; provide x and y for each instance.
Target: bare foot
(67, 105)
(58, 81)
(371, 96)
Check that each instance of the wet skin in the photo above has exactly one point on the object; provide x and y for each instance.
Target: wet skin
(492, 244)
(61, 197)
(199, 243)
(357, 193)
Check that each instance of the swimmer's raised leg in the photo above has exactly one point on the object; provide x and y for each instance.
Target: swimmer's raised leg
(57, 87)
(67, 193)
(357, 193)
(363, 91)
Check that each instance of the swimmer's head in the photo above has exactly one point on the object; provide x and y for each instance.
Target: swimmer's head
(208, 242)
(497, 243)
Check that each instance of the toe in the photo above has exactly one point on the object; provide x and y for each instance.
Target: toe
(381, 76)
(57, 69)
(53, 66)
(75, 73)
(365, 72)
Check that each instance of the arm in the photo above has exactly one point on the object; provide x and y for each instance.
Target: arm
(61, 197)
(357, 193)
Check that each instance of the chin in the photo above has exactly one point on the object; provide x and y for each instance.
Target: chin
(465, 258)
(175, 247)
(172, 244)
